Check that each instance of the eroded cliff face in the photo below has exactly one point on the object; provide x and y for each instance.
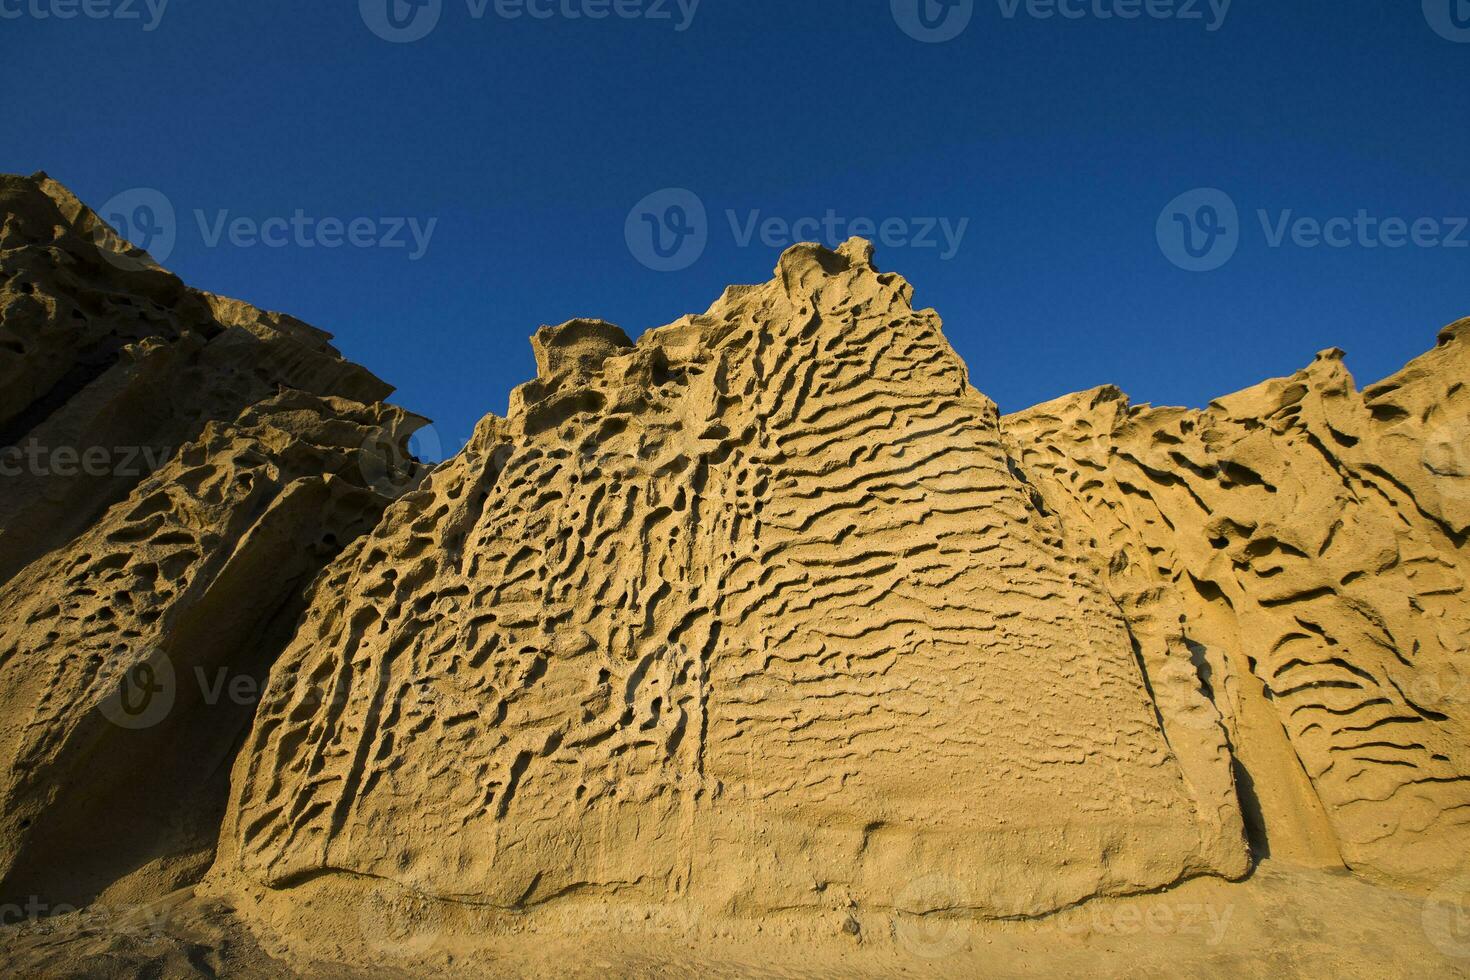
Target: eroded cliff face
(1301, 546)
(769, 611)
(177, 469)
(751, 614)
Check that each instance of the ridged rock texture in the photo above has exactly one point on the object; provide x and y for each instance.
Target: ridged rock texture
(1300, 546)
(751, 612)
(179, 467)
(767, 611)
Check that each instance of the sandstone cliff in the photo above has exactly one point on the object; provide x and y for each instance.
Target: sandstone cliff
(181, 466)
(766, 613)
(1300, 546)
(750, 614)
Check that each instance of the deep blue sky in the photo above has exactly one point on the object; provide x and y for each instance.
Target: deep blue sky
(530, 141)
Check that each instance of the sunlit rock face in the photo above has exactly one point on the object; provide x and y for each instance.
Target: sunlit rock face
(754, 605)
(1301, 546)
(766, 612)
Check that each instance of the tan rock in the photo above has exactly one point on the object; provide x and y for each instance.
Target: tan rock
(107, 368)
(752, 603)
(1306, 543)
(176, 472)
(764, 620)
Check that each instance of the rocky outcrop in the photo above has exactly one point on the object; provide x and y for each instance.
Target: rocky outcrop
(177, 469)
(1301, 547)
(751, 614)
(766, 613)
(109, 365)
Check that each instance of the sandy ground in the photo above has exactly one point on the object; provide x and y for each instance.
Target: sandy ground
(1280, 923)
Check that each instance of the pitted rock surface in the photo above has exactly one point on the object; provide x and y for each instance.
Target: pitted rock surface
(767, 615)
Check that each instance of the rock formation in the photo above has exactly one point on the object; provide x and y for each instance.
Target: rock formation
(263, 468)
(769, 611)
(760, 584)
(1300, 546)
